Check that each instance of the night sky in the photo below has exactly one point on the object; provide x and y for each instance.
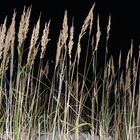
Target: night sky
(125, 23)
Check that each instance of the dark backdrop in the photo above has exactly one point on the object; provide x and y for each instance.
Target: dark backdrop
(125, 16)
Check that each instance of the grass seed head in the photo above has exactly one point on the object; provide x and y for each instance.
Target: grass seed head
(71, 40)
(24, 26)
(33, 49)
(44, 40)
(2, 37)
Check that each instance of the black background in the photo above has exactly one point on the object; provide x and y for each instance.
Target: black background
(125, 17)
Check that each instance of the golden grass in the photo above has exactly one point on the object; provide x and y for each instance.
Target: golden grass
(33, 44)
(23, 27)
(44, 40)
(30, 105)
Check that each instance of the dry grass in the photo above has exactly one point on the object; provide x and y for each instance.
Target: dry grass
(30, 106)
(44, 40)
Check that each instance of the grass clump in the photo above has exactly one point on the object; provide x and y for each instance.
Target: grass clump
(30, 107)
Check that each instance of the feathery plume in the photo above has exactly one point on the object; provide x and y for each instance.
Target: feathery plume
(87, 23)
(62, 39)
(32, 49)
(120, 59)
(65, 30)
(108, 27)
(24, 26)
(23, 29)
(2, 37)
(9, 42)
(71, 42)
(44, 40)
(98, 34)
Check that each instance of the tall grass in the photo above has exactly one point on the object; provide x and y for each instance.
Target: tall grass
(30, 108)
